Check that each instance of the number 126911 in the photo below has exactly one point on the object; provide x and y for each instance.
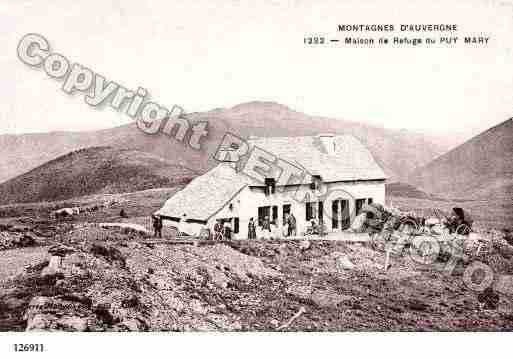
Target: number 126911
(28, 347)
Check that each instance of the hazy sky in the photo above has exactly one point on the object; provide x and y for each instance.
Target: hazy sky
(208, 54)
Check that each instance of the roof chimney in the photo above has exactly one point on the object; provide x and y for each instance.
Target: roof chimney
(328, 141)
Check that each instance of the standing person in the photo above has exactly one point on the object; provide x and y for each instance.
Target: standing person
(292, 225)
(155, 225)
(267, 224)
(218, 230)
(160, 224)
(251, 229)
(321, 227)
(266, 228)
(313, 226)
(286, 227)
(275, 231)
(227, 231)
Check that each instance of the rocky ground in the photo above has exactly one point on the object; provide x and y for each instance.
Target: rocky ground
(88, 278)
(74, 274)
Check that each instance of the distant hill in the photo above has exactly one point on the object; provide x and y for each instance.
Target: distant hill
(481, 168)
(398, 152)
(92, 171)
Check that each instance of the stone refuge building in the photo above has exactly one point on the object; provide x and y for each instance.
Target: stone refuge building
(340, 177)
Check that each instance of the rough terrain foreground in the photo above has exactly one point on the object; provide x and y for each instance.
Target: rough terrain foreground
(88, 278)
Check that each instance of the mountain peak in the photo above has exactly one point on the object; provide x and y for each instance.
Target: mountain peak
(260, 106)
(480, 168)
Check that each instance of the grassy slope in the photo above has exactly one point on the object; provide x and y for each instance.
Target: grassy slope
(91, 171)
(481, 168)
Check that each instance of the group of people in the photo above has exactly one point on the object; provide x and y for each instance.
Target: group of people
(269, 229)
(222, 231)
(316, 227)
(291, 225)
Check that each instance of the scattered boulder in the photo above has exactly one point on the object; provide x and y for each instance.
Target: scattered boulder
(305, 245)
(130, 324)
(131, 302)
(103, 313)
(328, 298)
(39, 322)
(130, 227)
(28, 239)
(300, 291)
(110, 253)
(508, 236)
(504, 284)
(5, 227)
(417, 305)
(11, 240)
(54, 267)
(344, 263)
(489, 299)
(321, 297)
(60, 250)
(63, 212)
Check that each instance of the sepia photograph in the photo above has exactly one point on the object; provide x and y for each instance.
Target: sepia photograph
(251, 172)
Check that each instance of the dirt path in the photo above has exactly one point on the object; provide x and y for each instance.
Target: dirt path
(14, 261)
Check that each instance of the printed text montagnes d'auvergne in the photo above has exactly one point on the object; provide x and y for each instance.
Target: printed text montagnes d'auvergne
(401, 27)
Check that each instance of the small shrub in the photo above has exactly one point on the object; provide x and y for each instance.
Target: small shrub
(131, 302)
(37, 268)
(111, 254)
(102, 313)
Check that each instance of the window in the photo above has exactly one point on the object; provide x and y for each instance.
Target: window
(314, 210)
(321, 211)
(316, 182)
(270, 186)
(310, 211)
(345, 215)
(275, 215)
(359, 204)
(369, 200)
(340, 216)
(236, 225)
(334, 214)
(262, 213)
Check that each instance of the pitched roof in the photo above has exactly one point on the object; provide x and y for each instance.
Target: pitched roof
(351, 161)
(207, 194)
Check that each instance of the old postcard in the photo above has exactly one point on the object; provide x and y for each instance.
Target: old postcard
(273, 166)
